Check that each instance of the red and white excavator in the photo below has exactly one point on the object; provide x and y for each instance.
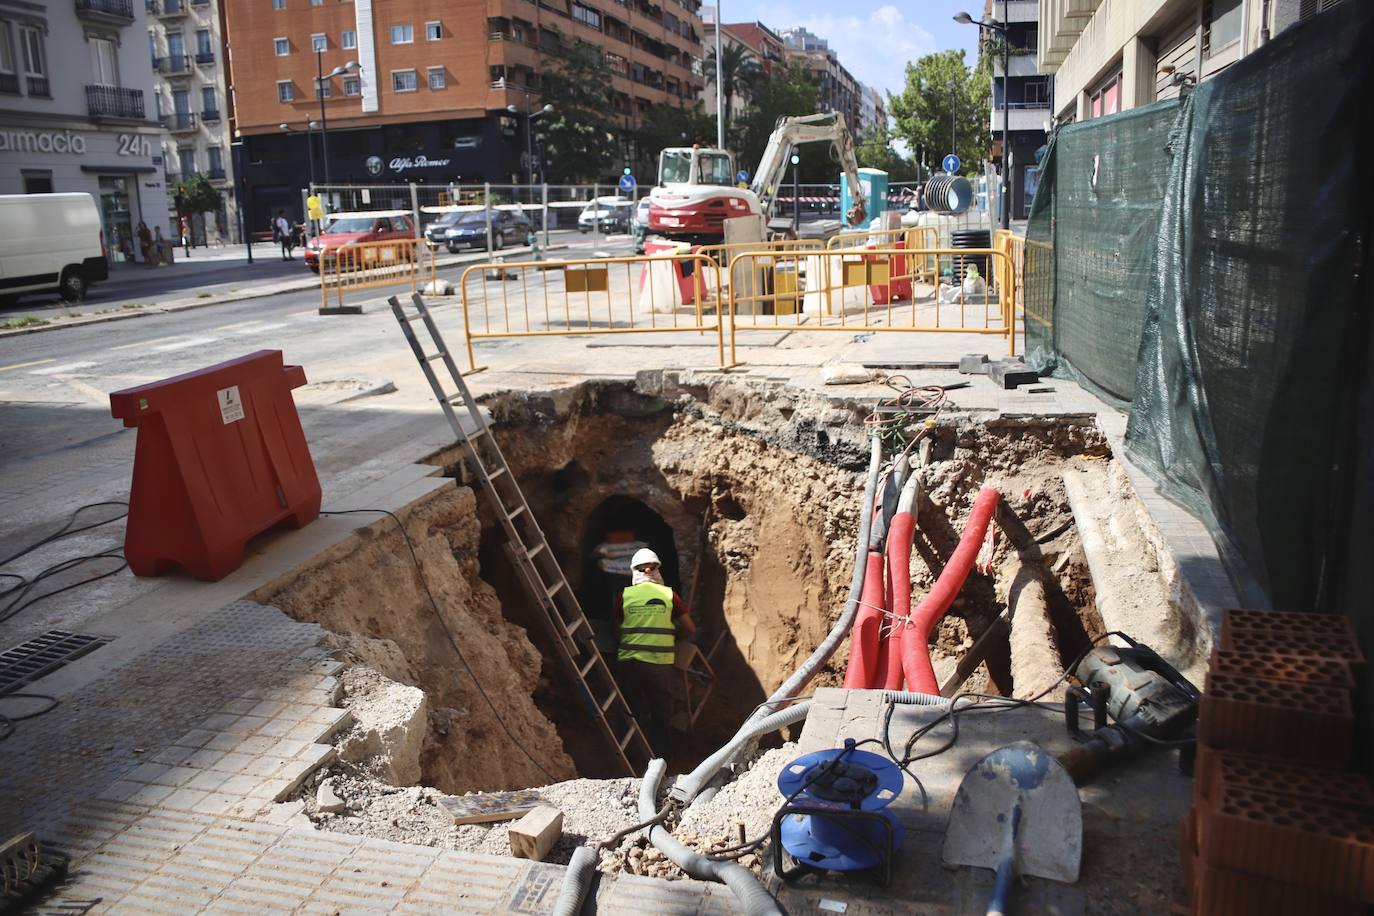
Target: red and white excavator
(696, 191)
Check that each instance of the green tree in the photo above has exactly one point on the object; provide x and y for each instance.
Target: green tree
(197, 195)
(581, 136)
(789, 91)
(941, 89)
(739, 73)
(874, 151)
(669, 125)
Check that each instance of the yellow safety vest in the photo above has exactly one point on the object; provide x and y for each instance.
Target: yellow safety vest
(647, 633)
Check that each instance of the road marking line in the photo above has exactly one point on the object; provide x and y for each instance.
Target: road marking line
(259, 328)
(241, 324)
(65, 367)
(299, 314)
(183, 344)
(142, 343)
(37, 362)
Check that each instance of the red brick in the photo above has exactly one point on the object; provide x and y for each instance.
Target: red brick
(1296, 721)
(1284, 666)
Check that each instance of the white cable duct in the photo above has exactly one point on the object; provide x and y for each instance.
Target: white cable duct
(747, 890)
(687, 788)
(576, 882)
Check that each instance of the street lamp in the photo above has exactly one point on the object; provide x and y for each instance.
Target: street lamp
(529, 137)
(992, 25)
(320, 78)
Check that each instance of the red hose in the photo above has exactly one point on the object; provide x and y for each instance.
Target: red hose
(920, 676)
(899, 591)
(863, 671)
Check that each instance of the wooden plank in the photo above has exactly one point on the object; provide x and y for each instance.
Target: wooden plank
(534, 834)
(489, 807)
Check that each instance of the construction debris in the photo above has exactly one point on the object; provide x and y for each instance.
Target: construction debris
(534, 834)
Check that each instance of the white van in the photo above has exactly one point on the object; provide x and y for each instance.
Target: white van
(50, 242)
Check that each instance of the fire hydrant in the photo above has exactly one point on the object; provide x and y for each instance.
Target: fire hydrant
(532, 240)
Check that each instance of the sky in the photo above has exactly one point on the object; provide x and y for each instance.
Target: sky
(873, 38)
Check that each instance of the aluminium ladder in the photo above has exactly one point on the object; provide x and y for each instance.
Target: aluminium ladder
(528, 549)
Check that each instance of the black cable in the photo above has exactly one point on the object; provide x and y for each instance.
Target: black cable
(614, 840)
(7, 721)
(887, 747)
(67, 530)
(447, 632)
(26, 585)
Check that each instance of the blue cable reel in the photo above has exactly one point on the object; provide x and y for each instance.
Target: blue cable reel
(834, 817)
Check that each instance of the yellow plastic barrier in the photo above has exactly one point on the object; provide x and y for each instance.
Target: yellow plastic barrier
(628, 295)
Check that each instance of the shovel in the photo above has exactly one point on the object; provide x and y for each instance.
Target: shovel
(1016, 812)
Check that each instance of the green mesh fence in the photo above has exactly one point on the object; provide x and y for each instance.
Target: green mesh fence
(1206, 262)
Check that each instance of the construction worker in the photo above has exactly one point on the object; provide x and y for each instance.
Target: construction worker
(649, 615)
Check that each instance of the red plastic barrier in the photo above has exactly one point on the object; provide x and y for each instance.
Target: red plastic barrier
(899, 590)
(920, 676)
(863, 671)
(221, 457)
(901, 288)
(682, 270)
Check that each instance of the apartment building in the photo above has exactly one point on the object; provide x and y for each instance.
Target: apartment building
(767, 45)
(728, 39)
(836, 88)
(1022, 99)
(428, 99)
(872, 111)
(1110, 55)
(189, 99)
(75, 82)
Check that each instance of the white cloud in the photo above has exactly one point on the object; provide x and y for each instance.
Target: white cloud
(875, 48)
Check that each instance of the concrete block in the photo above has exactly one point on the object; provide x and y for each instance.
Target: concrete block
(389, 729)
(973, 364)
(534, 834)
(1009, 373)
(327, 801)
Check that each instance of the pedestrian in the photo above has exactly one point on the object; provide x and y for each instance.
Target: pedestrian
(284, 234)
(145, 243)
(186, 236)
(161, 255)
(650, 615)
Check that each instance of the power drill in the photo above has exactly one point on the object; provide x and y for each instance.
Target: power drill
(1146, 698)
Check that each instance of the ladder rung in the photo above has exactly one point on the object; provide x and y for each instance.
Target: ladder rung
(591, 663)
(433, 356)
(496, 473)
(609, 701)
(555, 589)
(534, 551)
(512, 513)
(625, 742)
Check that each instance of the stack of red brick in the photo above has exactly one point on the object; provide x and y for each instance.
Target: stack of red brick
(1279, 825)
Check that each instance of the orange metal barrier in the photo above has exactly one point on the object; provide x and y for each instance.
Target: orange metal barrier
(629, 295)
(350, 268)
(1015, 248)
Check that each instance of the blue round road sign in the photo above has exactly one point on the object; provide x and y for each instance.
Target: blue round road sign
(950, 163)
(627, 183)
(742, 175)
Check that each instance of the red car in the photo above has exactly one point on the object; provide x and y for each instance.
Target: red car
(343, 229)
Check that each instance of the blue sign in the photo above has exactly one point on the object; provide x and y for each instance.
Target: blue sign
(627, 183)
(742, 175)
(950, 163)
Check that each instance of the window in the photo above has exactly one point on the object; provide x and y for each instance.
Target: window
(286, 91)
(352, 85)
(403, 81)
(9, 79)
(1221, 24)
(282, 46)
(324, 90)
(402, 34)
(36, 182)
(278, 4)
(588, 17)
(1037, 92)
(1106, 99)
(433, 31)
(103, 69)
(319, 42)
(348, 39)
(317, 2)
(203, 47)
(216, 159)
(437, 78)
(31, 40)
(208, 101)
(187, 157)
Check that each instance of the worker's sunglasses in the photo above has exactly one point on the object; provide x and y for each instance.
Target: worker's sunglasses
(645, 567)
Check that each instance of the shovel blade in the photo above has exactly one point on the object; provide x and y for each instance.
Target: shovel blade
(1049, 837)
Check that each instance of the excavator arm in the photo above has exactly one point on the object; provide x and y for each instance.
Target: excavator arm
(792, 132)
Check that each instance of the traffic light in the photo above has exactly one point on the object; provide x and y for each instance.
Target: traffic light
(626, 170)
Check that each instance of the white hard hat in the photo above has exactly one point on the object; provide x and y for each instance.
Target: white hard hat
(644, 556)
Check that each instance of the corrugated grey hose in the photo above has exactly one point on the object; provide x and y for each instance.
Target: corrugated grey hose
(747, 890)
(687, 788)
(576, 881)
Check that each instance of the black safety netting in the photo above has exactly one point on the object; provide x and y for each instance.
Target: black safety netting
(1204, 262)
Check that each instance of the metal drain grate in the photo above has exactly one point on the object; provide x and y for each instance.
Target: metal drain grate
(42, 655)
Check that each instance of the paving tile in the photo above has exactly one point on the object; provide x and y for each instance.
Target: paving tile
(204, 759)
(247, 725)
(219, 722)
(241, 785)
(207, 780)
(238, 707)
(120, 791)
(217, 803)
(277, 728)
(151, 794)
(184, 799)
(233, 763)
(196, 738)
(172, 755)
(254, 744)
(177, 775)
(264, 767)
(267, 709)
(288, 748)
(223, 742)
(146, 772)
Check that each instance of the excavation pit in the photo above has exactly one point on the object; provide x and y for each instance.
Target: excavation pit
(750, 496)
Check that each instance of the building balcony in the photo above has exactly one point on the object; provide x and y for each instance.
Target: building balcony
(114, 103)
(180, 122)
(167, 9)
(205, 58)
(39, 87)
(110, 12)
(173, 65)
(1021, 63)
(1018, 10)
(215, 174)
(210, 116)
(9, 82)
(1024, 116)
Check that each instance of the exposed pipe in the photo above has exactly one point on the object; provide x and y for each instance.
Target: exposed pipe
(747, 890)
(577, 880)
(920, 675)
(686, 789)
(912, 698)
(687, 786)
(899, 582)
(863, 671)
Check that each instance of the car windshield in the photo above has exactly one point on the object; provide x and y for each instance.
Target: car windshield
(675, 167)
(350, 224)
(715, 169)
(469, 219)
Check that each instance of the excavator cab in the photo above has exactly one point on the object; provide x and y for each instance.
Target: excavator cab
(694, 165)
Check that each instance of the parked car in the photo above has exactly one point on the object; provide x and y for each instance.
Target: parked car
(345, 229)
(606, 214)
(471, 229)
(51, 243)
(639, 227)
(434, 232)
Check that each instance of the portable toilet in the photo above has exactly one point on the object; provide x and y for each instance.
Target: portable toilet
(874, 183)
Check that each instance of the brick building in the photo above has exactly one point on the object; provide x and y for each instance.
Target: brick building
(836, 88)
(429, 101)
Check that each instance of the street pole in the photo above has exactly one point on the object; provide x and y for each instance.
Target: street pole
(720, 90)
(796, 196)
(1006, 117)
(324, 119)
(244, 222)
(529, 151)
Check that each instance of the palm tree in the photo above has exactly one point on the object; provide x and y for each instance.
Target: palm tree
(739, 73)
